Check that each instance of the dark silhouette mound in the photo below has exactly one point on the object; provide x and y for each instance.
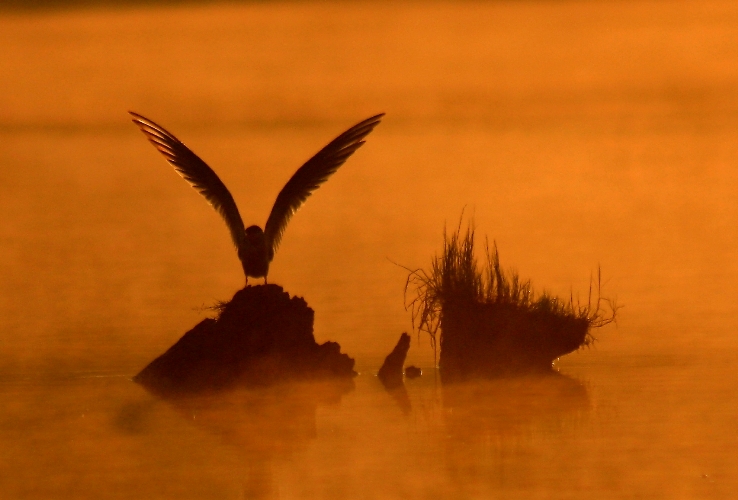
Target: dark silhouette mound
(499, 339)
(260, 337)
(491, 321)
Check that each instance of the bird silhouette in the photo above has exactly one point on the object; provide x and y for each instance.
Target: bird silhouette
(256, 247)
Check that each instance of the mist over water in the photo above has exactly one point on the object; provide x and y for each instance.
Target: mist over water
(577, 134)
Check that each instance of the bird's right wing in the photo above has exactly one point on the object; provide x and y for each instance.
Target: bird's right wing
(196, 172)
(311, 175)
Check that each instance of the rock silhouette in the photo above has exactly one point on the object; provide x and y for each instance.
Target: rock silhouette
(260, 337)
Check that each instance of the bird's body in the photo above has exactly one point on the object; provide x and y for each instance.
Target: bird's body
(256, 247)
(255, 254)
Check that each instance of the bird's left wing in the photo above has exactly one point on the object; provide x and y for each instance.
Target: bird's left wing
(311, 175)
(196, 172)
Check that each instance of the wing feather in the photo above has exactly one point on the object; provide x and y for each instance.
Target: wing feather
(196, 172)
(311, 175)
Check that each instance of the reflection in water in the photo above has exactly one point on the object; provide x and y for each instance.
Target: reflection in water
(133, 417)
(508, 405)
(488, 422)
(264, 424)
(401, 397)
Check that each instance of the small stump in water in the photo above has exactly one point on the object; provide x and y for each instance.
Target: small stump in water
(491, 322)
(260, 337)
(390, 374)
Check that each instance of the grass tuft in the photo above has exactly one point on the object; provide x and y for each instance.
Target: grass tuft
(455, 278)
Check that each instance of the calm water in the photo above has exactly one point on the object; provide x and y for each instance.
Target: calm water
(578, 134)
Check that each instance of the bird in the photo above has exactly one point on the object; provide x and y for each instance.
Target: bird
(256, 246)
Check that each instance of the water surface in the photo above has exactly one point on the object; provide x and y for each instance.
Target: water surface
(578, 134)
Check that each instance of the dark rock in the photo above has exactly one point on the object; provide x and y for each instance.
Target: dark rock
(261, 336)
(413, 371)
(390, 374)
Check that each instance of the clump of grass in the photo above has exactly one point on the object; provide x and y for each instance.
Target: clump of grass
(455, 278)
(216, 308)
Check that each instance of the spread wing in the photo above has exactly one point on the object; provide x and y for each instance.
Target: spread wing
(196, 172)
(311, 175)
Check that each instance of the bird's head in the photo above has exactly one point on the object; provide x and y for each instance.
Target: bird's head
(254, 235)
